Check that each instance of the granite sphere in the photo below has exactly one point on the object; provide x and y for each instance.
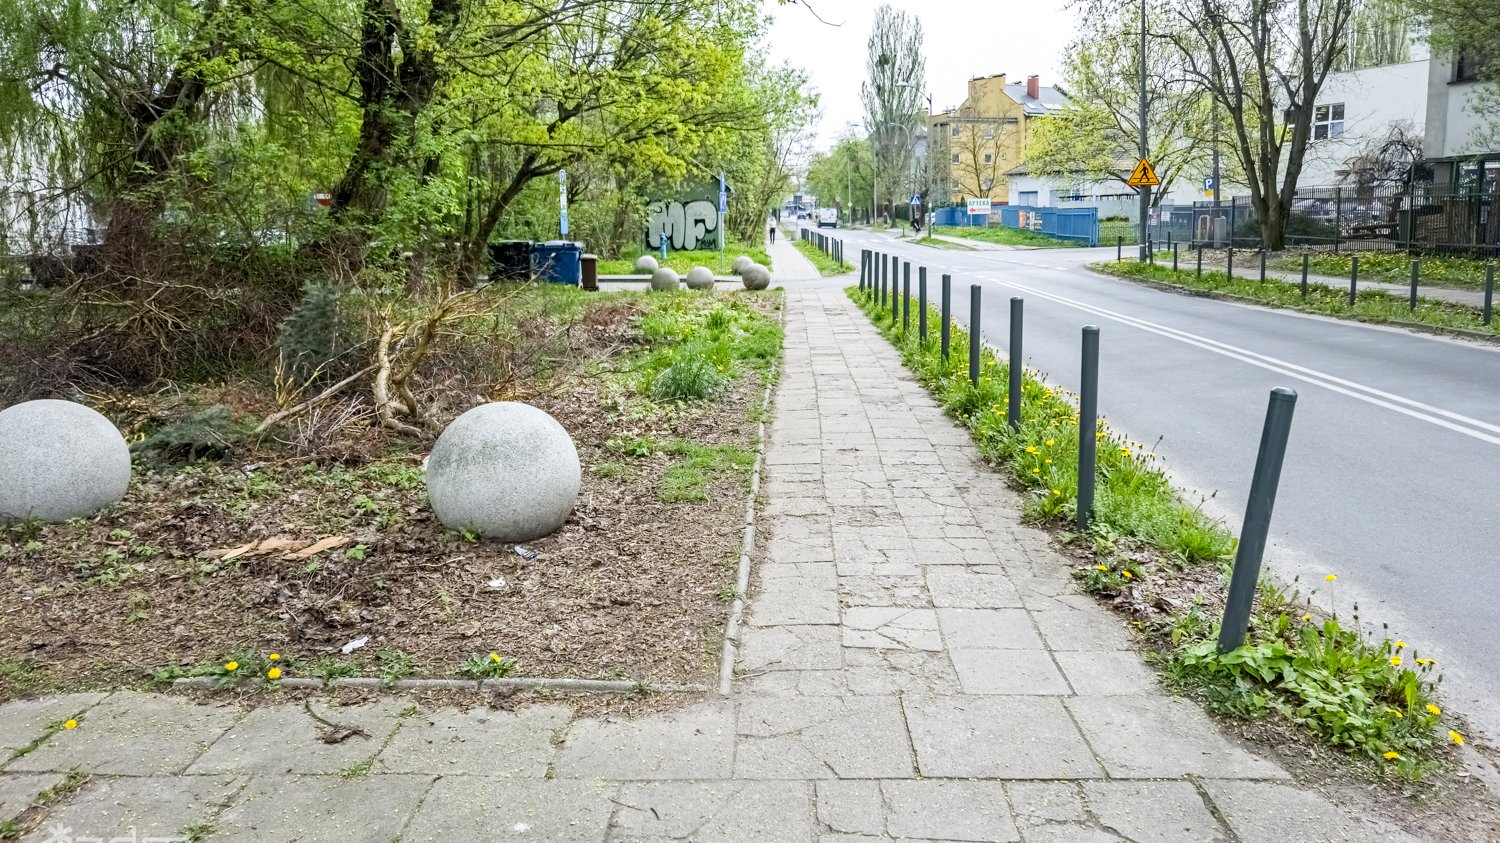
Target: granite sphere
(645, 265)
(742, 263)
(507, 471)
(700, 278)
(756, 277)
(665, 279)
(59, 460)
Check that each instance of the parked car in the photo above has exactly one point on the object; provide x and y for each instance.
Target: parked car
(828, 218)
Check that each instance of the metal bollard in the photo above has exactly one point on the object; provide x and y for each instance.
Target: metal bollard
(1229, 264)
(1247, 558)
(1489, 289)
(863, 266)
(1119, 248)
(922, 304)
(1353, 279)
(1416, 270)
(1174, 257)
(945, 304)
(1304, 275)
(905, 297)
(1151, 251)
(1017, 367)
(974, 340)
(895, 289)
(1088, 426)
(1200, 260)
(1262, 266)
(882, 279)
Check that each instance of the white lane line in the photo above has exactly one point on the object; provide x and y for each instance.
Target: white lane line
(1456, 422)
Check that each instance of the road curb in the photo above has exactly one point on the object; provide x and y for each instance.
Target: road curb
(572, 686)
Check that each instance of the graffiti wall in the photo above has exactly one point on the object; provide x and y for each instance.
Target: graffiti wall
(689, 225)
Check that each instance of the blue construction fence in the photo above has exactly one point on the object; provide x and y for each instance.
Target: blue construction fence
(1065, 223)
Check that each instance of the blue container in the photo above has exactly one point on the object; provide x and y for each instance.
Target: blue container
(558, 262)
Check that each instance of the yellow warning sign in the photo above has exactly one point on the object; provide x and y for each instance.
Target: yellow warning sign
(1143, 175)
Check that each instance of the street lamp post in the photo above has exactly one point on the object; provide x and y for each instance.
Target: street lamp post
(927, 176)
(1145, 191)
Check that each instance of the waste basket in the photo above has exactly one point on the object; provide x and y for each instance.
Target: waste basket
(510, 260)
(558, 262)
(590, 271)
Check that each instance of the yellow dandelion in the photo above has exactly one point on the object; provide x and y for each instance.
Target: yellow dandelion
(1455, 737)
(1331, 577)
(71, 724)
(1051, 442)
(1434, 709)
(1102, 567)
(1393, 756)
(1398, 714)
(1425, 661)
(1400, 644)
(1046, 462)
(1036, 471)
(1125, 451)
(274, 657)
(494, 657)
(1126, 574)
(1031, 449)
(231, 666)
(1307, 617)
(1396, 660)
(273, 673)
(1057, 491)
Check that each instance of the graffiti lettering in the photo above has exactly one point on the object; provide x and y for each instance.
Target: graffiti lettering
(687, 225)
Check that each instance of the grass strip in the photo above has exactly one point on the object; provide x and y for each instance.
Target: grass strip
(1392, 267)
(1166, 564)
(1375, 306)
(722, 263)
(825, 264)
(1005, 236)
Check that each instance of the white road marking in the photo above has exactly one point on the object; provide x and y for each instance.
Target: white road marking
(1448, 419)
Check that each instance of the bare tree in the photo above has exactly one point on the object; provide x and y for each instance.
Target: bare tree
(892, 97)
(1264, 62)
(1387, 161)
(975, 151)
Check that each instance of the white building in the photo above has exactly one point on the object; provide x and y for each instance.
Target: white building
(1357, 108)
(1458, 145)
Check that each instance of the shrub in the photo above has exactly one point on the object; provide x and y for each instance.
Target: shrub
(310, 335)
(690, 377)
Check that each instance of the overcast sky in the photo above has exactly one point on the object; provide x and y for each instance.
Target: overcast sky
(963, 39)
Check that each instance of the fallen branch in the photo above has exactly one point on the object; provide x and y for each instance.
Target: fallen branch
(280, 415)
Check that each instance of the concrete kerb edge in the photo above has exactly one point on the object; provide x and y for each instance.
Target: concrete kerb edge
(747, 547)
(1419, 327)
(577, 686)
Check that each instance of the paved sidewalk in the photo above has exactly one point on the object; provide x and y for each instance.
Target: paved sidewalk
(916, 665)
(788, 264)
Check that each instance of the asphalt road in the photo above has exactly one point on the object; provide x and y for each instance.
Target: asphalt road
(1392, 476)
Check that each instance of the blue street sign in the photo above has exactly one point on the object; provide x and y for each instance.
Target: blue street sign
(1208, 183)
(723, 195)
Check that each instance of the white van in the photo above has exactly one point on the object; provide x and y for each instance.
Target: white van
(828, 218)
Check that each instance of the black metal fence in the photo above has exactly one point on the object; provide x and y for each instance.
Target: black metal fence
(1428, 218)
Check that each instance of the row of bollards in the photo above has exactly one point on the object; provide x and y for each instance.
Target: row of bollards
(1275, 432)
(833, 247)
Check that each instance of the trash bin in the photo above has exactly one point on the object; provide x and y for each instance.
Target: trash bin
(558, 262)
(510, 260)
(590, 271)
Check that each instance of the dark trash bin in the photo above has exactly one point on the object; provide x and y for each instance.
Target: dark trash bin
(510, 260)
(558, 262)
(590, 271)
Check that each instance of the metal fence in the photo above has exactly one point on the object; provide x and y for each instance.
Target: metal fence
(1428, 218)
(1080, 224)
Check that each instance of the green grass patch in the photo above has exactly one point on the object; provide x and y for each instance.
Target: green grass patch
(1376, 306)
(700, 343)
(944, 244)
(722, 263)
(1362, 695)
(825, 264)
(688, 478)
(1395, 267)
(1005, 236)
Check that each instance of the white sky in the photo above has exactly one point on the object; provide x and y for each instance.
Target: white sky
(962, 39)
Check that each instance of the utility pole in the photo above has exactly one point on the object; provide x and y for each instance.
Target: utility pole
(1145, 191)
(1213, 221)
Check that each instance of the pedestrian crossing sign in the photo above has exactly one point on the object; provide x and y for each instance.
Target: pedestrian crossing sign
(1143, 175)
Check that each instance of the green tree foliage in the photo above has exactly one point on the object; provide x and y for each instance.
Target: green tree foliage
(1470, 29)
(843, 172)
(892, 96)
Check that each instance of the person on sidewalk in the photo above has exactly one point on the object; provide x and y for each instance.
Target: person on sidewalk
(771, 232)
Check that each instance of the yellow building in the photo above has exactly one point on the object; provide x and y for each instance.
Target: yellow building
(983, 138)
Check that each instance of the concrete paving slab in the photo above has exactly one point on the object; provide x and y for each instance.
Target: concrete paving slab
(1094, 629)
(285, 739)
(19, 790)
(948, 810)
(22, 721)
(1273, 812)
(1013, 672)
(1163, 737)
(1035, 803)
(822, 737)
(963, 589)
(477, 742)
(794, 601)
(990, 629)
(1107, 673)
(744, 812)
(891, 627)
(997, 737)
(789, 648)
(1154, 812)
(133, 734)
(526, 810)
(694, 743)
(138, 807)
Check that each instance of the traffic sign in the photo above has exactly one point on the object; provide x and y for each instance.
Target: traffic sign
(1143, 175)
(1208, 183)
(916, 199)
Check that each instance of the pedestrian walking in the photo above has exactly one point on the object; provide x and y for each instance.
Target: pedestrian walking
(772, 232)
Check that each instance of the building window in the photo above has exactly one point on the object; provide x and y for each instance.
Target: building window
(1011, 121)
(955, 131)
(988, 184)
(1328, 121)
(955, 157)
(989, 131)
(989, 158)
(1467, 65)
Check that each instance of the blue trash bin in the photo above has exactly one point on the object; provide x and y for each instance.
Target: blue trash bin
(558, 262)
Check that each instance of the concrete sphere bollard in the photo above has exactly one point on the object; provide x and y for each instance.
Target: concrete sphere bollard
(742, 263)
(645, 265)
(506, 470)
(59, 460)
(665, 280)
(700, 278)
(756, 277)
